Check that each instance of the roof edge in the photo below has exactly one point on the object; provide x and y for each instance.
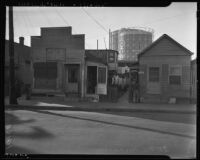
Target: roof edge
(158, 40)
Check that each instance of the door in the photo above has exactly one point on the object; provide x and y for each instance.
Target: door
(72, 78)
(91, 79)
(153, 82)
(102, 80)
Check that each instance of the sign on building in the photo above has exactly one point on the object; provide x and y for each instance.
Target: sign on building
(55, 54)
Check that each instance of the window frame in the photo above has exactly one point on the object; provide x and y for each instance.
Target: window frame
(69, 78)
(149, 74)
(99, 68)
(169, 73)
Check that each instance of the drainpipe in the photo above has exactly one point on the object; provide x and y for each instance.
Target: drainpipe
(83, 77)
(190, 82)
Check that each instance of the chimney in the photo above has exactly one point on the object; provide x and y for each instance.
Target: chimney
(21, 40)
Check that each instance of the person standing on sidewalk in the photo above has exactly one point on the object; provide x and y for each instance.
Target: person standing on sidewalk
(135, 91)
(130, 89)
(114, 87)
(28, 91)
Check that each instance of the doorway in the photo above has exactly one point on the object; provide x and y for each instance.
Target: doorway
(91, 79)
(153, 85)
(72, 78)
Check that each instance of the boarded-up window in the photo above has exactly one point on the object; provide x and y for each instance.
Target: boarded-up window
(101, 75)
(175, 74)
(46, 70)
(154, 74)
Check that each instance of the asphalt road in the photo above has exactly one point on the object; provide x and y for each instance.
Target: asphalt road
(78, 132)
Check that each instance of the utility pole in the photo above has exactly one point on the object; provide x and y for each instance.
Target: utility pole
(105, 43)
(97, 44)
(109, 41)
(12, 93)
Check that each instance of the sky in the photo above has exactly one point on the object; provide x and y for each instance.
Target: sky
(178, 20)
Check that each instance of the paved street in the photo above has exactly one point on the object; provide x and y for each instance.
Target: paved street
(81, 132)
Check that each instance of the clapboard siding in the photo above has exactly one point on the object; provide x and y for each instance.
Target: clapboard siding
(166, 47)
(166, 53)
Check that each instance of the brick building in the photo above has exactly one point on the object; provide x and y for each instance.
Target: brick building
(164, 71)
(22, 59)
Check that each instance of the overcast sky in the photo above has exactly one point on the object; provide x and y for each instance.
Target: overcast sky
(177, 20)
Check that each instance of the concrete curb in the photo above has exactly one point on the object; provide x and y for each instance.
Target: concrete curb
(32, 107)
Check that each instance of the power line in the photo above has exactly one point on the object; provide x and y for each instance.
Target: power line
(163, 19)
(46, 17)
(61, 17)
(65, 21)
(95, 20)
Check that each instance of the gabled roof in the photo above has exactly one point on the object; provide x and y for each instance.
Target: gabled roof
(158, 40)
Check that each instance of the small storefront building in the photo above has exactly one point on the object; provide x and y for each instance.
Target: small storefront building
(58, 61)
(96, 75)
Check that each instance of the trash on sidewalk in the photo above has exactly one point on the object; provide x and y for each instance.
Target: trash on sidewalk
(172, 100)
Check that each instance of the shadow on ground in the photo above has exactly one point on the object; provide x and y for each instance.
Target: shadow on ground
(36, 133)
(12, 119)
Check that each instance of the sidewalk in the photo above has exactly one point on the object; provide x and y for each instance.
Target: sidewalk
(58, 103)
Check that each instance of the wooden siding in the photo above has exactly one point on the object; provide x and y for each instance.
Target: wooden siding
(59, 38)
(143, 79)
(165, 54)
(166, 47)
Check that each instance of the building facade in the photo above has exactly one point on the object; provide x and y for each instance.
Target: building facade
(130, 41)
(127, 66)
(58, 61)
(164, 71)
(99, 64)
(194, 80)
(109, 56)
(22, 59)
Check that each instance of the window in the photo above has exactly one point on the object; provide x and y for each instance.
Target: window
(111, 57)
(154, 74)
(27, 62)
(175, 74)
(101, 75)
(73, 74)
(45, 70)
